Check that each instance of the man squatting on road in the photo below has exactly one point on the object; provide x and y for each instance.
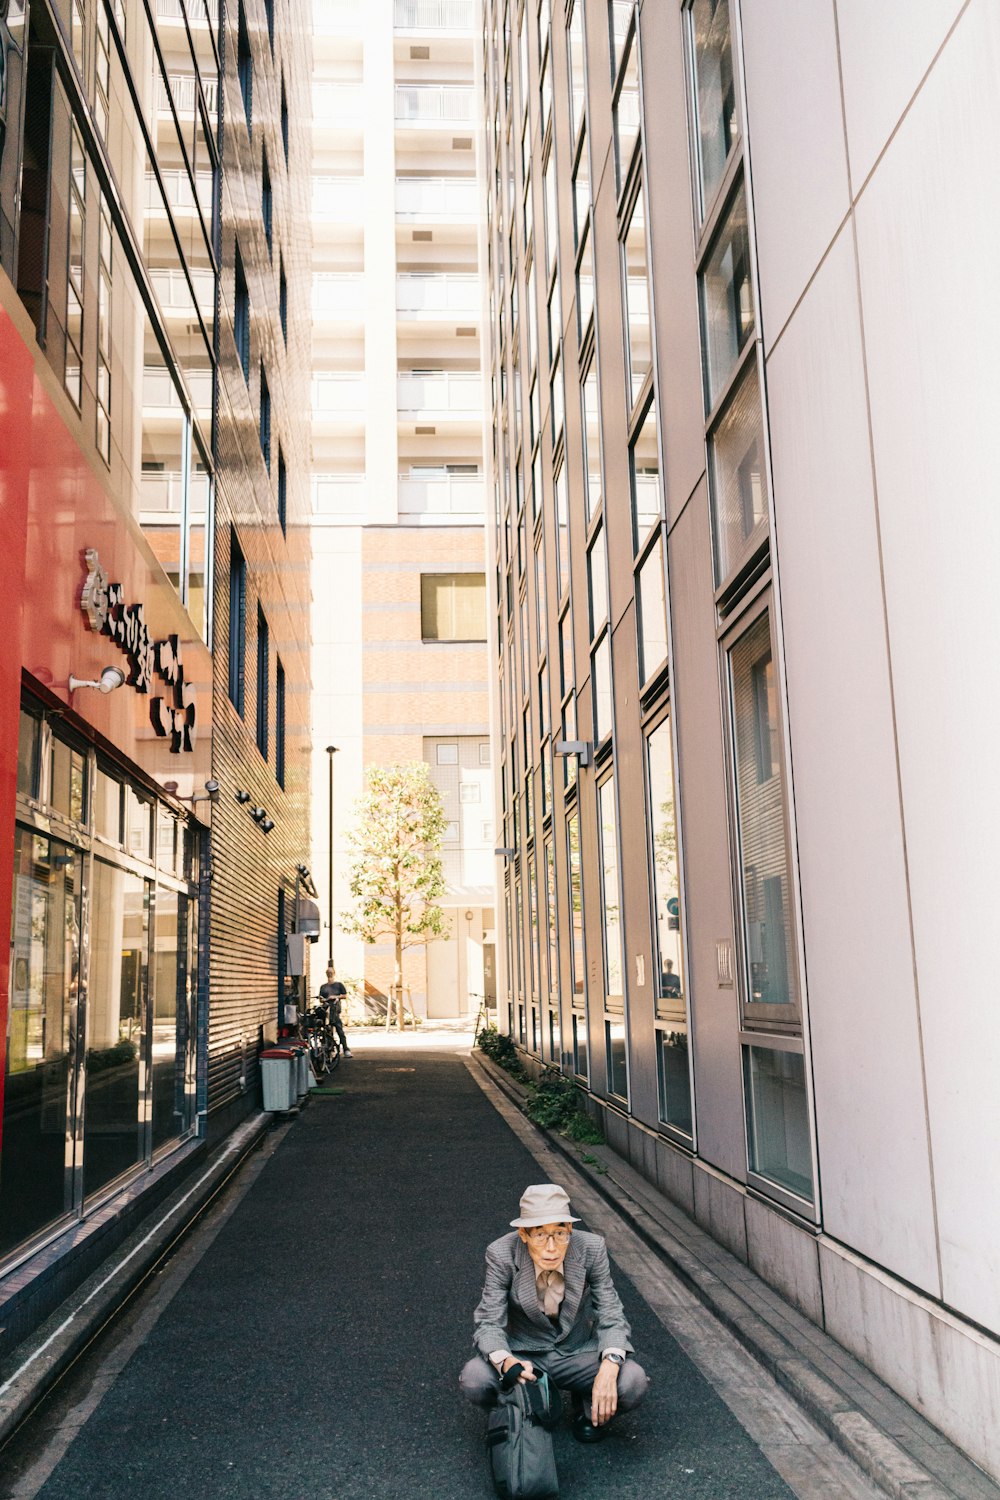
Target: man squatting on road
(549, 1304)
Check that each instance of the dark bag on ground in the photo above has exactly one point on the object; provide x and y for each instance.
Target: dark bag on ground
(519, 1443)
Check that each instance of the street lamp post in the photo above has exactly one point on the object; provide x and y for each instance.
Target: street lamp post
(331, 751)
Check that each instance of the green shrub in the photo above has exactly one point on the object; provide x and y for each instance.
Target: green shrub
(554, 1102)
(499, 1048)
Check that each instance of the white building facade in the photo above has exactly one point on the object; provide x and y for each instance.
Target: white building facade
(746, 547)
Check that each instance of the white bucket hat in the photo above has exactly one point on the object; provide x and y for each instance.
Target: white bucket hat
(545, 1203)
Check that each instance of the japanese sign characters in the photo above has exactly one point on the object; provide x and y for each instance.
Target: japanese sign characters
(173, 715)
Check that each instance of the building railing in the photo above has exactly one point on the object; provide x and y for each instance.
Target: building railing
(338, 391)
(435, 15)
(337, 292)
(438, 292)
(445, 199)
(427, 102)
(173, 290)
(179, 188)
(338, 104)
(340, 199)
(440, 391)
(158, 389)
(172, 10)
(447, 494)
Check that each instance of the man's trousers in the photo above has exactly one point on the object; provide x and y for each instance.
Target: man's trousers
(574, 1370)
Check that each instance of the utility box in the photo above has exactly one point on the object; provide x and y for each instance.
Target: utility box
(279, 1071)
(296, 954)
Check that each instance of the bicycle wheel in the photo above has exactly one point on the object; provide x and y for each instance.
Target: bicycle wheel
(333, 1054)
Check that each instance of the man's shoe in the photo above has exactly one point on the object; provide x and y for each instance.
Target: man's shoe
(348, 1052)
(584, 1430)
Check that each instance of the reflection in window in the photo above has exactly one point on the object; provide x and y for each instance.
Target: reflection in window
(778, 1118)
(637, 299)
(739, 491)
(577, 964)
(727, 298)
(763, 848)
(674, 1078)
(551, 910)
(580, 1064)
(610, 897)
(617, 1064)
(592, 440)
(27, 755)
(620, 18)
(602, 689)
(67, 780)
(652, 613)
(669, 956)
(453, 606)
(562, 528)
(627, 114)
(585, 286)
(715, 92)
(35, 1186)
(577, 69)
(116, 1025)
(644, 460)
(597, 579)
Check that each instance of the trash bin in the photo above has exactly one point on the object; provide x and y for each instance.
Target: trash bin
(304, 1073)
(280, 1076)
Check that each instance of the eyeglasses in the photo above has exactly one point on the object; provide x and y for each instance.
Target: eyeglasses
(542, 1236)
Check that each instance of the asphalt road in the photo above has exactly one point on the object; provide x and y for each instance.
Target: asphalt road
(313, 1348)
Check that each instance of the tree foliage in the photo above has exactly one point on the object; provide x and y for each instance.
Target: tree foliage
(397, 878)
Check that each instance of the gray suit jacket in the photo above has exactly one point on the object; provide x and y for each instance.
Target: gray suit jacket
(509, 1315)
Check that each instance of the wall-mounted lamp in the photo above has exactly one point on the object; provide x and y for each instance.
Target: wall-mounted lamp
(210, 794)
(110, 678)
(303, 871)
(505, 853)
(266, 824)
(260, 817)
(242, 798)
(582, 749)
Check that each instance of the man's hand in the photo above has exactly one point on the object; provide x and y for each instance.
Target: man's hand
(604, 1396)
(527, 1373)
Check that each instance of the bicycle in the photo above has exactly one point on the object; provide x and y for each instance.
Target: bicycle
(322, 1041)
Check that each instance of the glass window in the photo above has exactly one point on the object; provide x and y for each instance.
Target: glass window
(577, 69)
(114, 1135)
(581, 193)
(237, 624)
(674, 1078)
(627, 113)
(637, 299)
(562, 528)
(610, 898)
(170, 1016)
(567, 676)
(551, 909)
(644, 461)
(714, 91)
(551, 212)
(453, 606)
(597, 575)
(166, 840)
(602, 689)
(67, 780)
(580, 1067)
(575, 896)
(760, 805)
(739, 488)
(669, 956)
(138, 824)
(614, 1032)
(619, 20)
(35, 1185)
(652, 613)
(27, 755)
(727, 298)
(447, 755)
(592, 440)
(778, 1118)
(585, 286)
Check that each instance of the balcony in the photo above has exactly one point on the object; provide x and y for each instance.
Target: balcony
(172, 289)
(338, 104)
(160, 394)
(338, 393)
(442, 494)
(435, 15)
(440, 393)
(434, 104)
(179, 191)
(338, 494)
(438, 297)
(338, 200)
(184, 87)
(337, 294)
(437, 200)
(163, 493)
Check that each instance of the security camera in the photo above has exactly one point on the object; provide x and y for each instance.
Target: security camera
(110, 679)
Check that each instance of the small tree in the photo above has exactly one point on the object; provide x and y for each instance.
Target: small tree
(397, 877)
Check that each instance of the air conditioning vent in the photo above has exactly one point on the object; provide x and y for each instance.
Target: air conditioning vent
(465, 333)
(461, 143)
(420, 54)
(425, 235)
(426, 432)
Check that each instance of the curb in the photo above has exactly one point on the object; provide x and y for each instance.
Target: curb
(46, 1354)
(875, 1451)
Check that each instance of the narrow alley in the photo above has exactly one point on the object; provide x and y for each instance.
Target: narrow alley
(305, 1340)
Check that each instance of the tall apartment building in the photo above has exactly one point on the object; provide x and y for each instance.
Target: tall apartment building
(399, 656)
(154, 487)
(742, 370)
